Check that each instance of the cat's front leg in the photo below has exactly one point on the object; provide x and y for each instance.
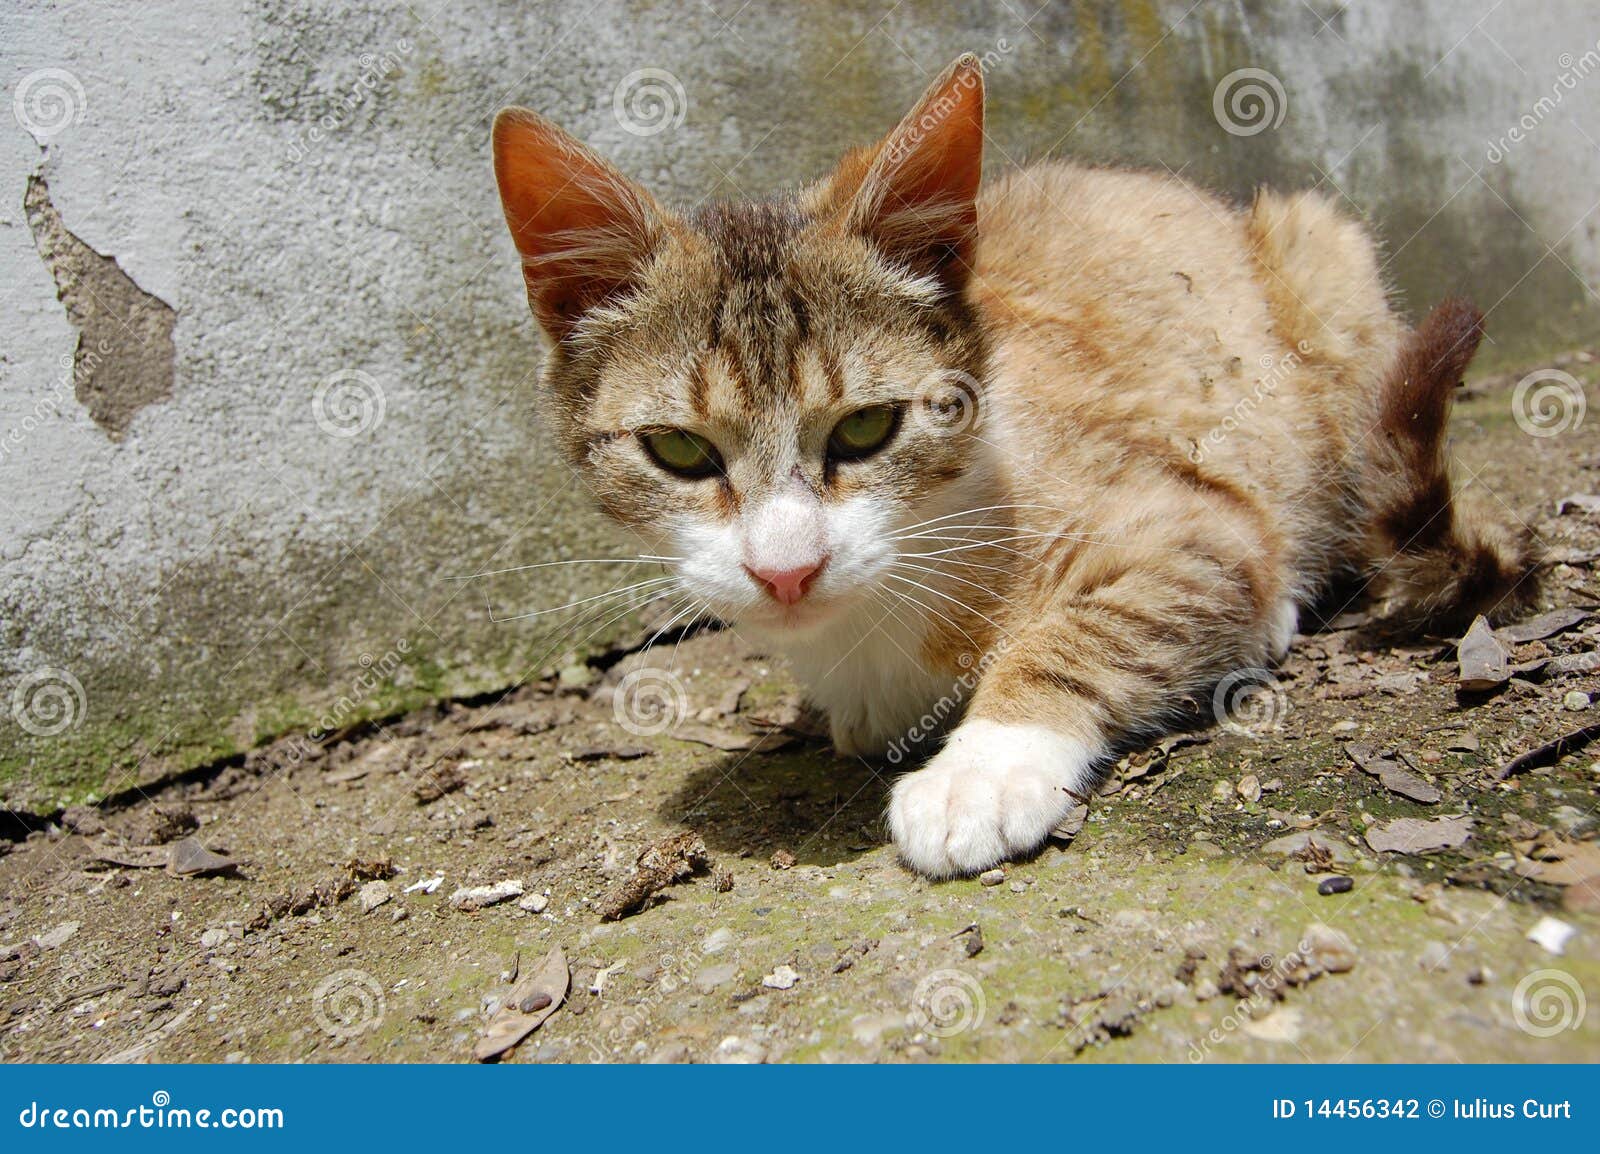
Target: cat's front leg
(995, 791)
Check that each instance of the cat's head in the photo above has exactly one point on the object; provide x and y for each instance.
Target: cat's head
(771, 392)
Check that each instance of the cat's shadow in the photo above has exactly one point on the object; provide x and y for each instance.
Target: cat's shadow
(802, 801)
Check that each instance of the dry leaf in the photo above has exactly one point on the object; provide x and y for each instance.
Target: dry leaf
(1484, 662)
(1542, 626)
(730, 742)
(188, 858)
(1395, 777)
(542, 993)
(1419, 835)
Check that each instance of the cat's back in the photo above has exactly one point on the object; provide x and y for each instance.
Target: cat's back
(1109, 282)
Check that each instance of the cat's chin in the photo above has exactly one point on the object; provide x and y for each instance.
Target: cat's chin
(792, 622)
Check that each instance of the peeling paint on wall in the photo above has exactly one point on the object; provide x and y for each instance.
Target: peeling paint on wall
(125, 357)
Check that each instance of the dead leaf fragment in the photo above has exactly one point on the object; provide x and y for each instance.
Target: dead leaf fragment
(1419, 835)
(1484, 662)
(187, 858)
(1551, 858)
(1067, 828)
(730, 741)
(1578, 503)
(1542, 626)
(1394, 777)
(542, 993)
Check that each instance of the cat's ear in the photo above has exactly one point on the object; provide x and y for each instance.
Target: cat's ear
(583, 229)
(918, 200)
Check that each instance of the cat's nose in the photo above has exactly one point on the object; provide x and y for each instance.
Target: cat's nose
(786, 585)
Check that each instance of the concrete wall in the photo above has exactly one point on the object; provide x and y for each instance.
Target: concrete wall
(266, 376)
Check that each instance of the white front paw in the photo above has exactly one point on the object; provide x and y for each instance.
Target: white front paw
(995, 791)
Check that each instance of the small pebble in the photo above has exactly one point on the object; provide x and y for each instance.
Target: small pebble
(992, 877)
(1338, 884)
(781, 978)
(1435, 957)
(1329, 948)
(1249, 788)
(534, 903)
(373, 894)
(1576, 701)
(1551, 933)
(1222, 791)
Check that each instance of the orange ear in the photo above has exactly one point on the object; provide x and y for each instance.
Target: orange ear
(918, 200)
(584, 230)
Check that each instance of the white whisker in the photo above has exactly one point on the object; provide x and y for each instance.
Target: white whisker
(953, 600)
(587, 600)
(941, 573)
(575, 561)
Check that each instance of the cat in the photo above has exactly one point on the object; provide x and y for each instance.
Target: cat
(1041, 460)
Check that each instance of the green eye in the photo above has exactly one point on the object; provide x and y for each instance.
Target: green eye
(682, 452)
(864, 431)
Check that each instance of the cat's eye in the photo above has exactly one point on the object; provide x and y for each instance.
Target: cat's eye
(863, 432)
(682, 452)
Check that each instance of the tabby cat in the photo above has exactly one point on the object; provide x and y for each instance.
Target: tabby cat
(1045, 459)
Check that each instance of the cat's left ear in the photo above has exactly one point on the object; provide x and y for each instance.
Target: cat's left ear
(585, 231)
(918, 200)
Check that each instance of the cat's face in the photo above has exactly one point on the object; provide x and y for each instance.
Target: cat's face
(768, 394)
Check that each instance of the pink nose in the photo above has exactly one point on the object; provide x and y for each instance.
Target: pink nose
(786, 585)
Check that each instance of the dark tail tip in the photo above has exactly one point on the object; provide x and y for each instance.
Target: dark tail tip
(1431, 365)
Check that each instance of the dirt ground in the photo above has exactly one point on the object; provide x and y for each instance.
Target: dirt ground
(1185, 920)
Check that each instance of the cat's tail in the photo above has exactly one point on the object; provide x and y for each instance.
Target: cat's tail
(1441, 555)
